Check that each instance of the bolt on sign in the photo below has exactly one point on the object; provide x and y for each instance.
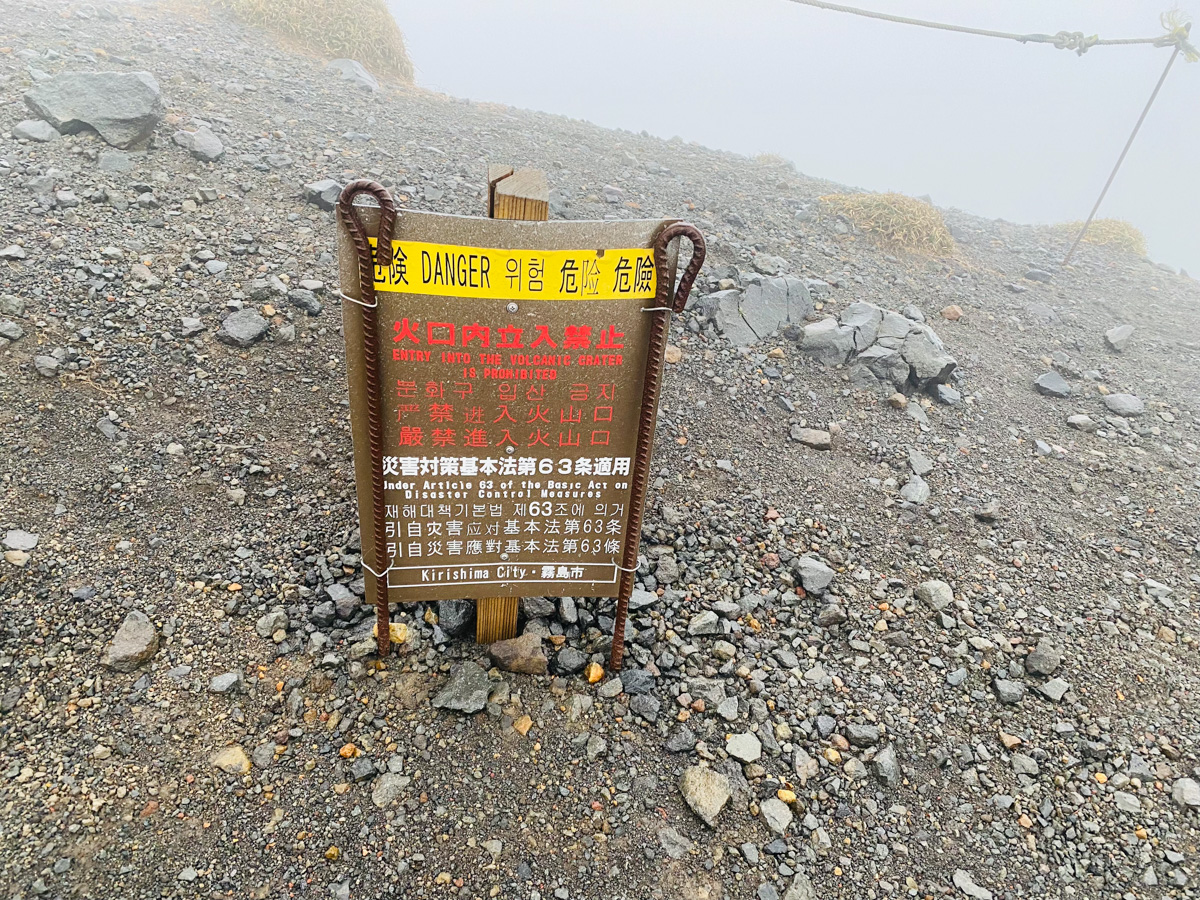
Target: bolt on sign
(503, 384)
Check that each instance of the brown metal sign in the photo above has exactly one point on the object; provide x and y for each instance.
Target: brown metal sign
(498, 373)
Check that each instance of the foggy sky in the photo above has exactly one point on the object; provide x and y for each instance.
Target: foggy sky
(1027, 133)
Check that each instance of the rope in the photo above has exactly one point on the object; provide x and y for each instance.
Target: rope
(1176, 36)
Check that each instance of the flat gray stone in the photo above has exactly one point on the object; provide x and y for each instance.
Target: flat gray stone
(389, 788)
(35, 130)
(919, 463)
(1054, 689)
(1186, 793)
(466, 690)
(915, 490)
(17, 539)
(886, 364)
(243, 328)
(776, 814)
(812, 437)
(1126, 405)
(674, 844)
(962, 878)
(1007, 691)
(744, 747)
(201, 143)
(122, 107)
(1051, 384)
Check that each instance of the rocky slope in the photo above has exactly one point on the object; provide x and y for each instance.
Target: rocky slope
(916, 609)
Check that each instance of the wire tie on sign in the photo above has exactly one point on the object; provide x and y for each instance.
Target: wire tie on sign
(623, 569)
(367, 565)
(659, 309)
(359, 302)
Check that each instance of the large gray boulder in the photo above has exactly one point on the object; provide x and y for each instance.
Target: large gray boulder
(828, 341)
(864, 320)
(771, 304)
(354, 72)
(885, 364)
(1124, 405)
(925, 353)
(122, 107)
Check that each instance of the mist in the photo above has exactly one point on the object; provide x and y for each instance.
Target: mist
(1028, 133)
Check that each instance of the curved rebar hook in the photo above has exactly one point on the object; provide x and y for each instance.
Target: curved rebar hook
(371, 368)
(653, 384)
(699, 250)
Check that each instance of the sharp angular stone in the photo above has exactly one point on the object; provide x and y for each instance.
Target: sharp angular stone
(886, 364)
(706, 622)
(243, 328)
(674, 844)
(1051, 384)
(522, 654)
(1118, 338)
(324, 193)
(744, 747)
(776, 814)
(123, 108)
(886, 767)
(455, 616)
(915, 490)
(1186, 793)
(801, 888)
(706, 792)
(135, 642)
(354, 72)
(815, 576)
(466, 691)
(925, 353)
(570, 660)
(1009, 692)
(863, 320)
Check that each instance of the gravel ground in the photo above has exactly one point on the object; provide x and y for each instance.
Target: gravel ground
(954, 654)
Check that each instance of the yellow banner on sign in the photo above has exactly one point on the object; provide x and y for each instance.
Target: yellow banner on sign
(487, 273)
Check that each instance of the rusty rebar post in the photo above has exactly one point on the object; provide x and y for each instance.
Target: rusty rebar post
(371, 368)
(649, 412)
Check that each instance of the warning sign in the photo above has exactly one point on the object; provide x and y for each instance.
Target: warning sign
(446, 270)
(512, 361)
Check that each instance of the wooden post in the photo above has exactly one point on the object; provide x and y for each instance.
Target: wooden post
(524, 195)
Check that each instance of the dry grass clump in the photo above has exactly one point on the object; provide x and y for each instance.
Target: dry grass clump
(356, 29)
(1115, 233)
(899, 221)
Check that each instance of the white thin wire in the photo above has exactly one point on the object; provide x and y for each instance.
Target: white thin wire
(623, 569)
(659, 309)
(382, 574)
(359, 302)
